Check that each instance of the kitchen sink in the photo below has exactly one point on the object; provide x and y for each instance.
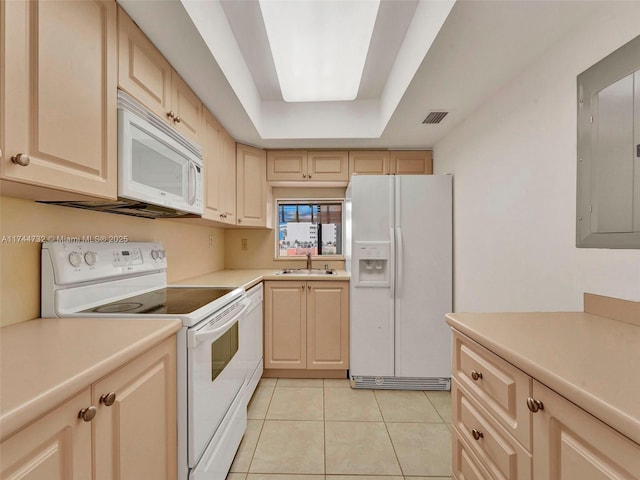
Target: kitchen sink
(306, 271)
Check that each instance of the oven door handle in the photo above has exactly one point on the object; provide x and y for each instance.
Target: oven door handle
(196, 337)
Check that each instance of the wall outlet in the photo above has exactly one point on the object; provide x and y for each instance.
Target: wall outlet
(243, 244)
(210, 241)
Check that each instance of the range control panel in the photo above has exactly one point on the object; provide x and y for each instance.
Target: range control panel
(76, 262)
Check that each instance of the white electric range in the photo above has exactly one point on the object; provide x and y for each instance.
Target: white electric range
(129, 280)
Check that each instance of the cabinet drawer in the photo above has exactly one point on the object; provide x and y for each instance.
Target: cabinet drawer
(466, 465)
(504, 457)
(496, 384)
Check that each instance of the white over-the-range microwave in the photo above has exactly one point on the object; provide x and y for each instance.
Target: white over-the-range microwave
(160, 171)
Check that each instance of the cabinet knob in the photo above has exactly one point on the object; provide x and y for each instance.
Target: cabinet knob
(177, 119)
(87, 414)
(108, 399)
(171, 115)
(239, 220)
(477, 435)
(534, 405)
(302, 287)
(304, 175)
(476, 375)
(309, 175)
(21, 159)
(308, 287)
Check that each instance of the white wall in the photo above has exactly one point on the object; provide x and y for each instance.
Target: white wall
(514, 166)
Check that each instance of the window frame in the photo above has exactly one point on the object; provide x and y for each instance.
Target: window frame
(306, 201)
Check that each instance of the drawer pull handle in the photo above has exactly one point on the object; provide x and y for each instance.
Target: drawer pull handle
(88, 413)
(477, 435)
(476, 375)
(108, 399)
(534, 405)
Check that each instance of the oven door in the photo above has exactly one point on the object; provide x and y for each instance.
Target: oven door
(215, 375)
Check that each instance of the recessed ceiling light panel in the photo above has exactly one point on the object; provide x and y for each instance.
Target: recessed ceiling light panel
(319, 46)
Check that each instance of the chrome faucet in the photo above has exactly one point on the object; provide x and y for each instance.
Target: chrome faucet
(308, 261)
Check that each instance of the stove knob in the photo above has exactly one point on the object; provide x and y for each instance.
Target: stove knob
(162, 254)
(75, 259)
(90, 258)
(154, 254)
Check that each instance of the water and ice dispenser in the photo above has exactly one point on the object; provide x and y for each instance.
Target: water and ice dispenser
(372, 264)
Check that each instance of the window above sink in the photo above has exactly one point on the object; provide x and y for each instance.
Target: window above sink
(309, 227)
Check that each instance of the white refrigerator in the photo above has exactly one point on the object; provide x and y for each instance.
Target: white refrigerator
(399, 254)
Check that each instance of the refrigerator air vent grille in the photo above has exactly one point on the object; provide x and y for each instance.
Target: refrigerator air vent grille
(401, 383)
(435, 117)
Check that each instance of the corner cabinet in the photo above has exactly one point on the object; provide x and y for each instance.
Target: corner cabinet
(507, 425)
(218, 151)
(306, 325)
(59, 105)
(253, 195)
(133, 412)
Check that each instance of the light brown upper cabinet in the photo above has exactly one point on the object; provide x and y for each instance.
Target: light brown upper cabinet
(253, 195)
(146, 75)
(369, 162)
(59, 104)
(213, 167)
(308, 166)
(390, 162)
(229, 178)
(410, 162)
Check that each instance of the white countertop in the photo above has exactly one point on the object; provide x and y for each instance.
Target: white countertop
(44, 362)
(592, 361)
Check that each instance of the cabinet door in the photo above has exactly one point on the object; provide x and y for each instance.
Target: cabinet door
(285, 325)
(251, 189)
(55, 447)
(187, 109)
(144, 73)
(328, 166)
(212, 156)
(369, 162)
(570, 444)
(405, 162)
(283, 165)
(228, 188)
(135, 437)
(60, 95)
(327, 325)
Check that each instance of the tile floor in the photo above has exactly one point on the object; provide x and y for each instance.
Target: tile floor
(324, 430)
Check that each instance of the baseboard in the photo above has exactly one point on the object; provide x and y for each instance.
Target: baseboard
(288, 373)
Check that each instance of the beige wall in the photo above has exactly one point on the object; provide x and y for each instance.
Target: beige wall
(187, 247)
(261, 243)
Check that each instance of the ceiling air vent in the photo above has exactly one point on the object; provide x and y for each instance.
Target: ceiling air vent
(434, 117)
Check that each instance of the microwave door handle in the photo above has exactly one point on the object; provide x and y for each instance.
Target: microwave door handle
(197, 337)
(192, 183)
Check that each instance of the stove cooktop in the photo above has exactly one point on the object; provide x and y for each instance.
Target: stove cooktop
(169, 301)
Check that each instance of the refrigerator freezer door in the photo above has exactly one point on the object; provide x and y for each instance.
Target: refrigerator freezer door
(371, 309)
(423, 275)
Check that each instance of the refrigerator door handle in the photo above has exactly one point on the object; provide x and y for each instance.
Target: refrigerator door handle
(392, 254)
(399, 261)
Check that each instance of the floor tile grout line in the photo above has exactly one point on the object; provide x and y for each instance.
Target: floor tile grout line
(434, 406)
(389, 435)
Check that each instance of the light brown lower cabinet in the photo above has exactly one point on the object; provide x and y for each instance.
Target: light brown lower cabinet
(496, 436)
(132, 438)
(571, 444)
(306, 325)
